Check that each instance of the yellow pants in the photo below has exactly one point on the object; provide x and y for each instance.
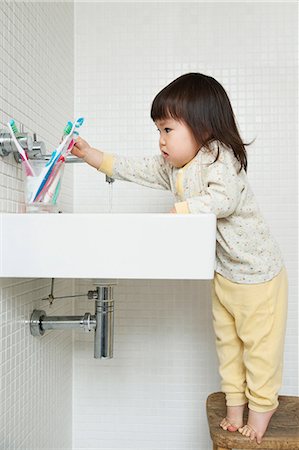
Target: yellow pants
(249, 323)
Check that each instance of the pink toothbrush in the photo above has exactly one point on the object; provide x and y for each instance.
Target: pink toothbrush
(13, 129)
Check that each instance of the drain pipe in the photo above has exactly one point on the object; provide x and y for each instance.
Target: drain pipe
(40, 322)
(104, 330)
(102, 321)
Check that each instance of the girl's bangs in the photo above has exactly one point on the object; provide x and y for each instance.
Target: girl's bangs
(165, 107)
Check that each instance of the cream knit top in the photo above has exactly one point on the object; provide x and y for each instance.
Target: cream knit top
(245, 250)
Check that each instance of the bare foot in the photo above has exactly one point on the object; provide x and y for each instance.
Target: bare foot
(234, 418)
(257, 424)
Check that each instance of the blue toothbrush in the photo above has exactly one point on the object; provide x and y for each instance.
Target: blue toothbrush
(59, 152)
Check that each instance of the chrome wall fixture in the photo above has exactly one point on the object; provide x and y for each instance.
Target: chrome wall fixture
(102, 322)
(36, 150)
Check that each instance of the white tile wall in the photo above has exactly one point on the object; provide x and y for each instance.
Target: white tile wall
(36, 89)
(36, 85)
(36, 373)
(151, 395)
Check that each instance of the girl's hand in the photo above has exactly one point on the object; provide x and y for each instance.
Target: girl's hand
(81, 148)
(173, 211)
(91, 155)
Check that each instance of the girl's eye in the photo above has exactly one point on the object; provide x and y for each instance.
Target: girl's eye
(167, 130)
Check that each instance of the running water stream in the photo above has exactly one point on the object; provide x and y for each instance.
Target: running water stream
(110, 197)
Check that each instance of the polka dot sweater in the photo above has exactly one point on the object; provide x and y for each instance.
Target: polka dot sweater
(245, 250)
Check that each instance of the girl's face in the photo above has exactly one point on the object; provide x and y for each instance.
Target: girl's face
(177, 143)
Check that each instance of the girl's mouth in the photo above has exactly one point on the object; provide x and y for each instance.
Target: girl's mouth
(165, 154)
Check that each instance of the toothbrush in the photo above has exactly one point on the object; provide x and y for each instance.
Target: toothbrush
(72, 143)
(54, 188)
(45, 174)
(54, 199)
(79, 122)
(56, 155)
(13, 130)
(69, 127)
(50, 180)
(50, 184)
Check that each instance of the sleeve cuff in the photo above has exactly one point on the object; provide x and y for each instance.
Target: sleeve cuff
(182, 208)
(107, 164)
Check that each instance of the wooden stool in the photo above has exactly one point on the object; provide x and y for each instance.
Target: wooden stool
(282, 433)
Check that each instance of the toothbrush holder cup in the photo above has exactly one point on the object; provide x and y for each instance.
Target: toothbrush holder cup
(43, 188)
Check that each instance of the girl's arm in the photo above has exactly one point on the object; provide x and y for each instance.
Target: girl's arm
(221, 192)
(147, 171)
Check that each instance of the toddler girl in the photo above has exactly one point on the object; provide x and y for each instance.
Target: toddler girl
(203, 162)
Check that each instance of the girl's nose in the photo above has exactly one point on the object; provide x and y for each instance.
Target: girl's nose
(162, 141)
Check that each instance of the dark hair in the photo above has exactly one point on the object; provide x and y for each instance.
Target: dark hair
(202, 103)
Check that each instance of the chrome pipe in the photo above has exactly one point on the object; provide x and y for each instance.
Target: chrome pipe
(68, 159)
(68, 322)
(104, 313)
(40, 322)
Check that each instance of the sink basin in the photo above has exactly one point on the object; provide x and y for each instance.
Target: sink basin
(140, 246)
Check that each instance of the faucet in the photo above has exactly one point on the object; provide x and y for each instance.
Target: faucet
(102, 322)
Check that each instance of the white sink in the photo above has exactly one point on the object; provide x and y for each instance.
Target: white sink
(141, 246)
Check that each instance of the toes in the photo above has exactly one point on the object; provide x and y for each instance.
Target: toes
(250, 433)
(227, 426)
(246, 431)
(224, 424)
